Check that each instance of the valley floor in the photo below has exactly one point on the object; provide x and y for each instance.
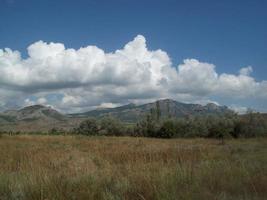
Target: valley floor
(77, 167)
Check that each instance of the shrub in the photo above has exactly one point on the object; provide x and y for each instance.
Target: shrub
(212, 126)
(167, 129)
(88, 127)
(111, 126)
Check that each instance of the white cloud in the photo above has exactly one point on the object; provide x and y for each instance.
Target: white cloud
(28, 102)
(239, 109)
(196, 78)
(109, 105)
(89, 77)
(42, 100)
(246, 71)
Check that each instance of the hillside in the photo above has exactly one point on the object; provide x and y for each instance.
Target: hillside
(35, 112)
(43, 118)
(35, 118)
(168, 107)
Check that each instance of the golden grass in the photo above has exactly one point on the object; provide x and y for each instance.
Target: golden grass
(76, 167)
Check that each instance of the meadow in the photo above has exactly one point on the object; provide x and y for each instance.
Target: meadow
(36, 167)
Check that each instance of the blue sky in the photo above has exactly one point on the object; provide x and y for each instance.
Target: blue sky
(228, 34)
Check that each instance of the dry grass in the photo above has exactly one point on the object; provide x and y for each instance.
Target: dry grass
(69, 167)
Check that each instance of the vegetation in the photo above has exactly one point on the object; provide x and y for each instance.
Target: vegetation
(39, 118)
(106, 126)
(79, 167)
(209, 126)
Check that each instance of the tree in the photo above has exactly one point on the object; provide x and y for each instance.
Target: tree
(221, 128)
(167, 129)
(158, 112)
(168, 109)
(251, 125)
(150, 126)
(111, 126)
(147, 126)
(88, 127)
(55, 131)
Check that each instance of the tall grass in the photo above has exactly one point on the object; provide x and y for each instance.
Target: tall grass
(76, 167)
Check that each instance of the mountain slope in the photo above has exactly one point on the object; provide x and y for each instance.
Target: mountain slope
(42, 118)
(167, 107)
(34, 112)
(35, 118)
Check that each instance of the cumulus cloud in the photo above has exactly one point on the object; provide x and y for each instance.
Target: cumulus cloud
(52, 66)
(195, 77)
(246, 71)
(89, 77)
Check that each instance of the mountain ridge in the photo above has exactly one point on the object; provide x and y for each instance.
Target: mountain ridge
(44, 118)
(36, 118)
(34, 112)
(168, 107)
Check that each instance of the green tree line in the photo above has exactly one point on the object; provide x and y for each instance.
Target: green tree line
(209, 126)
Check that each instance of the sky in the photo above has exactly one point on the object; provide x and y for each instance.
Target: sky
(80, 55)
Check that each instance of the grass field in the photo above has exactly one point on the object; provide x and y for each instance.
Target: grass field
(75, 167)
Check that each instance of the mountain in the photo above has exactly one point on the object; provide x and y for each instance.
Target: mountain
(167, 107)
(35, 112)
(43, 118)
(35, 118)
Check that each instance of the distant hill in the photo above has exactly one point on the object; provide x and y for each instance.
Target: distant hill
(43, 118)
(34, 112)
(168, 107)
(35, 118)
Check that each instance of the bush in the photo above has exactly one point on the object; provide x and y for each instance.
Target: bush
(212, 126)
(111, 126)
(56, 131)
(167, 130)
(251, 125)
(88, 127)
(107, 126)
